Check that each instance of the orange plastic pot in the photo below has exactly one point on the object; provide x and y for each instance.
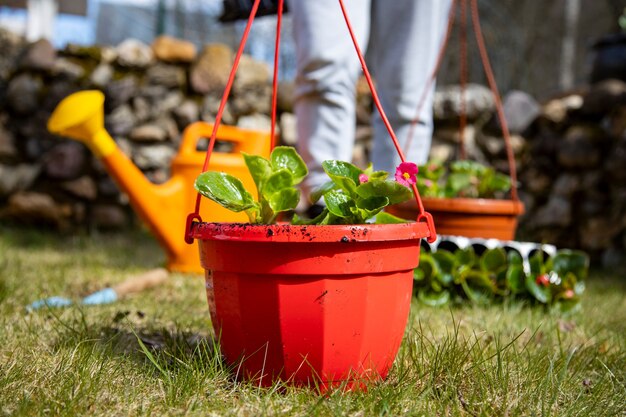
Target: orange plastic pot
(470, 217)
(312, 305)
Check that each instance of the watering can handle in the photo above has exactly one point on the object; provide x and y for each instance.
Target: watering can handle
(248, 141)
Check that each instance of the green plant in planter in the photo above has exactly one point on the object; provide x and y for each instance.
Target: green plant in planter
(275, 180)
(467, 179)
(352, 196)
(444, 277)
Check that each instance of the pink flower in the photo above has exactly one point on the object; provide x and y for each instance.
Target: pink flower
(363, 178)
(406, 173)
(568, 294)
(428, 183)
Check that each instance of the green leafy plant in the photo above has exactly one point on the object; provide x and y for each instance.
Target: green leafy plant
(352, 196)
(557, 281)
(275, 180)
(468, 179)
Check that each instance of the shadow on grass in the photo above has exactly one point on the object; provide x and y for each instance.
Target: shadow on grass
(155, 350)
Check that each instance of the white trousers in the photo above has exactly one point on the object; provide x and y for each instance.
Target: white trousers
(401, 39)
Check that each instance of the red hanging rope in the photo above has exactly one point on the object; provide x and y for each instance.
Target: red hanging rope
(496, 96)
(433, 76)
(463, 75)
(492, 84)
(422, 214)
(279, 19)
(218, 118)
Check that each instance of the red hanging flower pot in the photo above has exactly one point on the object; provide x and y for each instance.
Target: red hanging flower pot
(324, 302)
(318, 304)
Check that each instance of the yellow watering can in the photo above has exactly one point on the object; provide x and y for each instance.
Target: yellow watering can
(163, 207)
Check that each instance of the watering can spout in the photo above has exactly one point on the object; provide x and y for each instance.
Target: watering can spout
(80, 116)
(163, 207)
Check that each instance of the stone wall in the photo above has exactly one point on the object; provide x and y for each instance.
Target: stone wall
(574, 172)
(571, 151)
(152, 92)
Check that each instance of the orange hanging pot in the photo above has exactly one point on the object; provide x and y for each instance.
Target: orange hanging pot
(470, 217)
(311, 305)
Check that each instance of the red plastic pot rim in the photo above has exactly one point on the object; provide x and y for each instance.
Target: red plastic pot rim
(470, 205)
(309, 233)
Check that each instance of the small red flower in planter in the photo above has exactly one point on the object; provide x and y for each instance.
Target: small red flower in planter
(543, 280)
(363, 178)
(406, 173)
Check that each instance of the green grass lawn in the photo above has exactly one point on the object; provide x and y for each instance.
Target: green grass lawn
(152, 353)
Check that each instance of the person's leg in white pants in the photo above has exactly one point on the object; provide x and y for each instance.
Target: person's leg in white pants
(327, 72)
(404, 42)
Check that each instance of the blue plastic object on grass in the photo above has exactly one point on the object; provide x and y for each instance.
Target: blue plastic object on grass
(50, 302)
(105, 296)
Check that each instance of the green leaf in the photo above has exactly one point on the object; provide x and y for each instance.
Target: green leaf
(342, 169)
(343, 174)
(469, 167)
(458, 182)
(339, 204)
(277, 182)
(321, 190)
(576, 262)
(446, 262)
(433, 299)
(493, 260)
(515, 279)
(386, 218)
(432, 170)
(284, 200)
(465, 256)
(500, 182)
(396, 193)
(478, 287)
(319, 219)
(537, 266)
(286, 157)
(225, 190)
(378, 176)
(428, 268)
(259, 168)
(368, 208)
(514, 258)
(541, 294)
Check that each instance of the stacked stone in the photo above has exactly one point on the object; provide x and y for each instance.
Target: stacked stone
(152, 93)
(574, 173)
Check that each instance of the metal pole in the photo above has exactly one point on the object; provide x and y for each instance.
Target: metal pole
(40, 20)
(568, 49)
